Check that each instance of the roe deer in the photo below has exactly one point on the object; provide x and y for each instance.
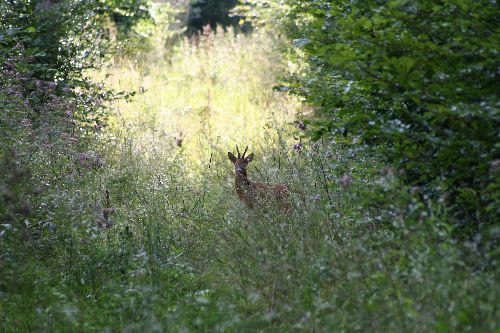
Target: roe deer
(253, 193)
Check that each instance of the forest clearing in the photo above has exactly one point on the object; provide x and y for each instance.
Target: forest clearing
(253, 166)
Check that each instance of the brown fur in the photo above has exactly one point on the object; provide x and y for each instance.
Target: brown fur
(253, 194)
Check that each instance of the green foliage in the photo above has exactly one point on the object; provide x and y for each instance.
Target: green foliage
(133, 229)
(170, 263)
(48, 104)
(55, 37)
(417, 80)
(140, 234)
(125, 14)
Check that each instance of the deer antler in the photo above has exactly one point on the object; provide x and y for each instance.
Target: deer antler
(239, 155)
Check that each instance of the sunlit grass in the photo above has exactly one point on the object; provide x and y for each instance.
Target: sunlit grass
(212, 94)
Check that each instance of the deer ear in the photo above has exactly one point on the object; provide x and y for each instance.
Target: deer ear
(231, 156)
(249, 158)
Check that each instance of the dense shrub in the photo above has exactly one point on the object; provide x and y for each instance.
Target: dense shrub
(416, 80)
(54, 44)
(48, 106)
(126, 13)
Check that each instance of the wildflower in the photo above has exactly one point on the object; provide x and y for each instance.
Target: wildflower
(18, 46)
(26, 123)
(316, 198)
(345, 181)
(89, 160)
(297, 146)
(82, 157)
(301, 126)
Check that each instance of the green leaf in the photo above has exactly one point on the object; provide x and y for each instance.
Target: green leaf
(407, 63)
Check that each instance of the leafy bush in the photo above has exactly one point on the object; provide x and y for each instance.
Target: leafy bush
(49, 107)
(416, 80)
(127, 13)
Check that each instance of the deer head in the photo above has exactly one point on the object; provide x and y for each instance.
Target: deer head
(240, 162)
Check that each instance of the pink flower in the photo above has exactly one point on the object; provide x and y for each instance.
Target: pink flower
(26, 123)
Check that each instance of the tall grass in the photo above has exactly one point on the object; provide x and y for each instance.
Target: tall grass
(154, 239)
(213, 94)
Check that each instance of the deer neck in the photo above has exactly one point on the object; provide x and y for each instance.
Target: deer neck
(242, 183)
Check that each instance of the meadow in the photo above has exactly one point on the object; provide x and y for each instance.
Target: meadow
(146, 232)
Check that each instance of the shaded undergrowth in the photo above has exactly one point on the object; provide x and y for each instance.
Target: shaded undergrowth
(145, 233)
